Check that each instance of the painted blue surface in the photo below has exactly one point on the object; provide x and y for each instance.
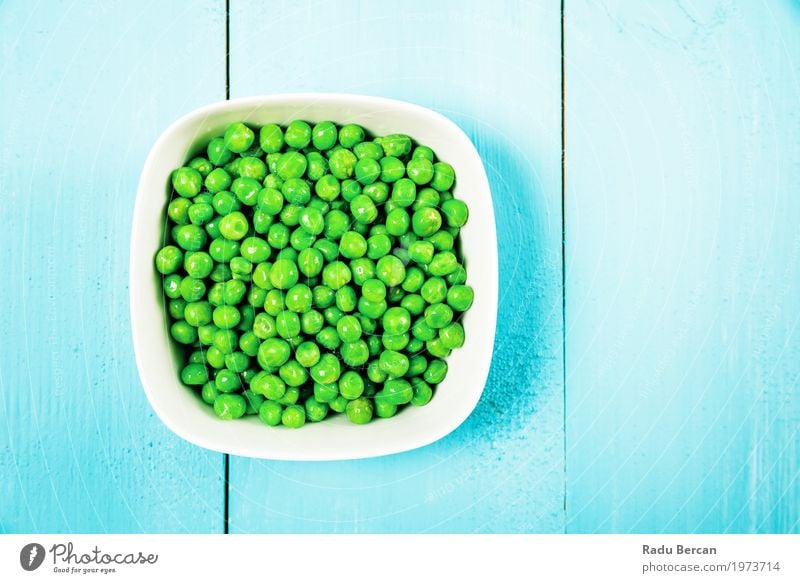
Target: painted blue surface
(680, 410)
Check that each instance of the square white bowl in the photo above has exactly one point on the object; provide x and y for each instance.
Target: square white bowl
(180, 407)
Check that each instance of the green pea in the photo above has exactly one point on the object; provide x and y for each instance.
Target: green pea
(241, 268)
(298, 134)
(337, 224)
(455, 212)
(356, 353)
(232, 167)
(176, 307)
(423, 152)
(426, 197)
(392, 169)
(421, 252)
(338, 404)
(351, 385)
(278, 236)
(436, 371)
(283, 274)
(238, 137)
(194, 374)
(298, 298)
(215, 357)
(363, 209)
(415, 279)
(371, 309)
(237, 362)
(350, 135)
(426, 221)
(398, 222)
(187, 182)
(228, 406)
(264, 326)
(273, 353)
(375, 373)
(349, 329)
(325, 393)
(312, 221)
(437, 348)
(393, 363)
(384, 409)
(328, 187)
(352, 245)
(374, 345)
(220, 273)
(293, 373)
(291, 165)
(192, 289)
(293, 416)
(234, 226)
(373, 290)
(342, 164)
(183, 332)
(422, 393)
(367, 171)
(443, 176)
(350, 189)
(362, 269)
(197, 313)
(315, 410)
(404, 192)
(227, 381)
(270, 386)
(328, 338)
(202, 165)
(397, 145)
(324, 135)
(460, 297)
(336, 275)
(327, 370)
(246, 190)
(434, 290)
(420, 171)
(307, 354)
(171, 286)
(311, 322)
(209, 392)
(270, 413)
(270, 138)
(178, 210)
(218, 180)
(346, 299)
(274, 303)
(224, 203)
(217, 153)
(270, 200)
(368, 150)
(396, 320)
(323, 296)
(310, 262)
(168, 259)
(452, 335)
(390, 270)
(359, 411)
(397, 391)
(190, 237)
(414, 303)
(287, 324)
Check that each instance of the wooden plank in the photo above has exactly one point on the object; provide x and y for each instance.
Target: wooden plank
(86, 88)
(495, 70)
(683, 280)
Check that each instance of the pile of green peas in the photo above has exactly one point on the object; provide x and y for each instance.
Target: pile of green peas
(312, 270)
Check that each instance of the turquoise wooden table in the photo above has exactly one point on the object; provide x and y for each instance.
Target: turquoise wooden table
(643, 159)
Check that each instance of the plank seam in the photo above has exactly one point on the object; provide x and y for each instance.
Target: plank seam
(564, 262)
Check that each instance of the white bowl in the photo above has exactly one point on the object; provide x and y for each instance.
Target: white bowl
(180, 407)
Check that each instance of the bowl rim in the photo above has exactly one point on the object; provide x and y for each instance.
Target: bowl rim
(137, 286)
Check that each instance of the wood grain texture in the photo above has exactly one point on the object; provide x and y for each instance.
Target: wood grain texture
(683, 279)
(495, 70)
(86, 89)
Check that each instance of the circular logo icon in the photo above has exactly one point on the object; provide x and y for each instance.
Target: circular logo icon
(31, 556)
